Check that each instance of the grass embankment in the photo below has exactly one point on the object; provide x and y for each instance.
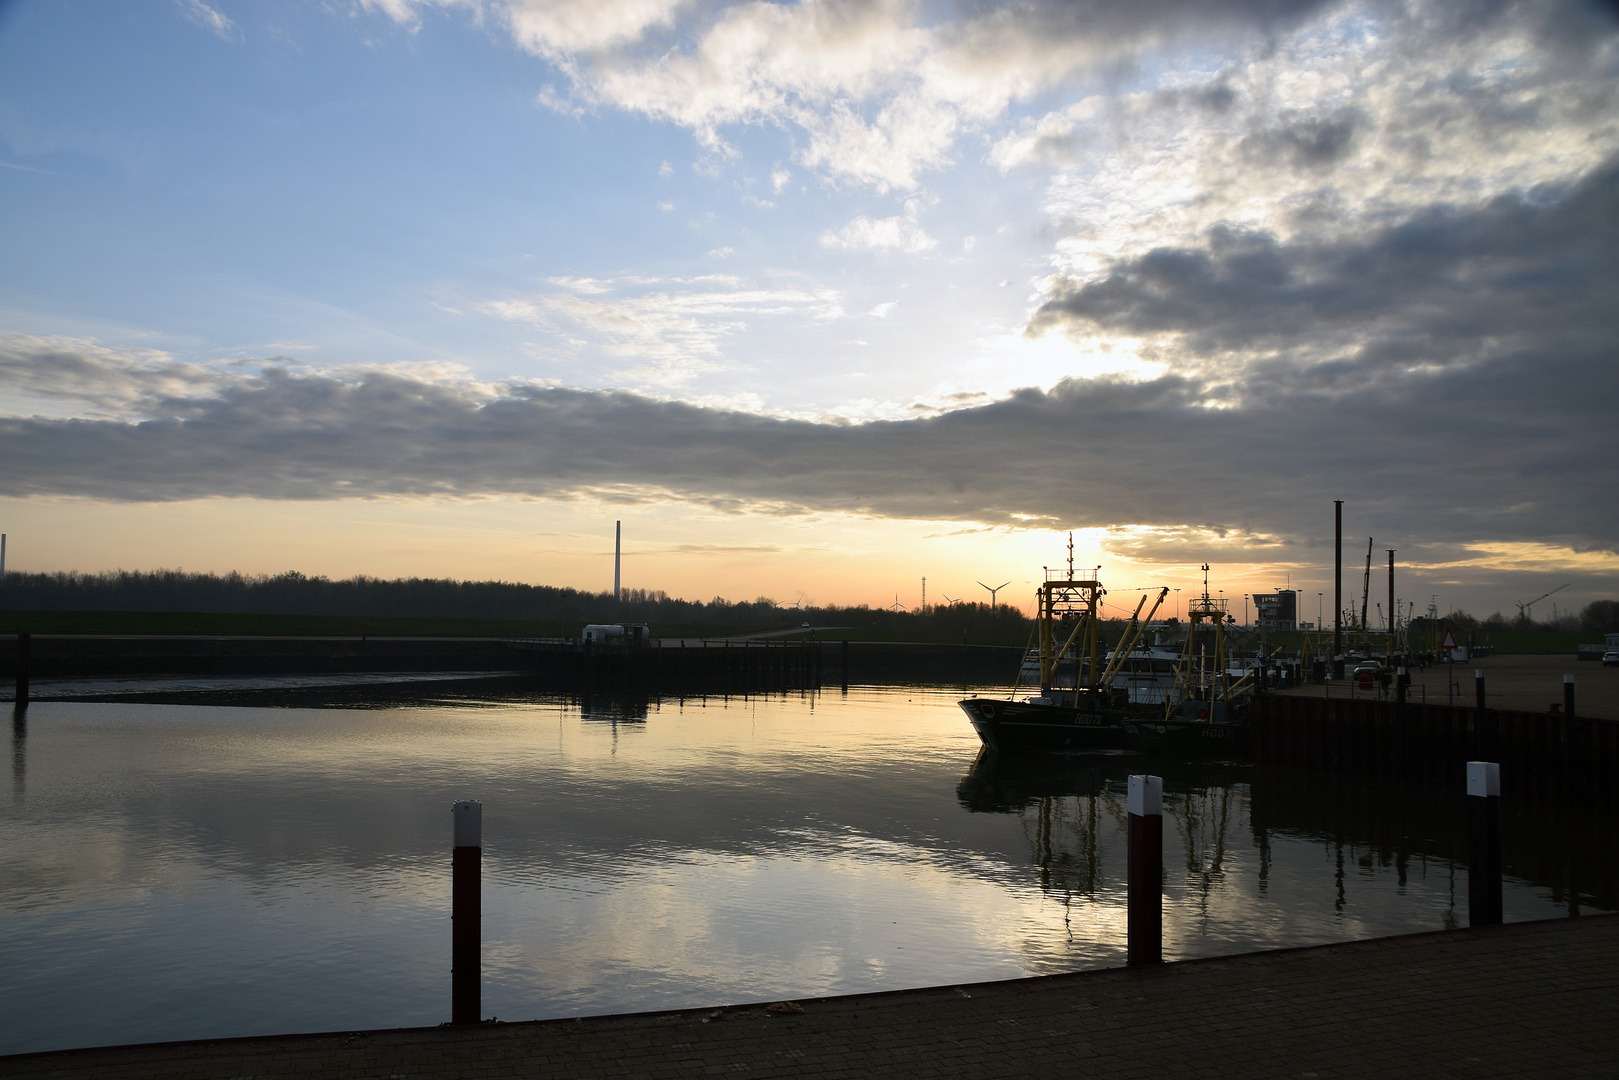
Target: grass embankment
(920, 635)
(251, 625)
(1504, 642)
(1517, 642)
(238, 623)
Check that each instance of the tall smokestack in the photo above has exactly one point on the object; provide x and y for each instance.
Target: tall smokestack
(618, 536)
(1393, 622)
(1338, 582)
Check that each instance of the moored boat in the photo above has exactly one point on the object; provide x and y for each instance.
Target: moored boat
(1137, 698)
(1075, 711)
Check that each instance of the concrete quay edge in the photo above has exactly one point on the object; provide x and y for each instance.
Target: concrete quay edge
(1426, 998)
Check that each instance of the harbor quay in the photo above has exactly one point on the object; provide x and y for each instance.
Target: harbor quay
(1524, 999)
(1523, 683)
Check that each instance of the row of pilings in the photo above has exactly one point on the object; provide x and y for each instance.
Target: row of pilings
(1542, 755)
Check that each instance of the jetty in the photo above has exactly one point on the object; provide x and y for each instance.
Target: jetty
(1525, 999)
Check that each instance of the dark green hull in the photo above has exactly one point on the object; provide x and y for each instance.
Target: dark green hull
(1020, 727)
(1186, 738)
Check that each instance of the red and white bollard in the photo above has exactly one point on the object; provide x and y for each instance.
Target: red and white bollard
(466, 913)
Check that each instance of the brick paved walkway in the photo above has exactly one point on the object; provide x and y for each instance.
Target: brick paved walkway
(1532, 999)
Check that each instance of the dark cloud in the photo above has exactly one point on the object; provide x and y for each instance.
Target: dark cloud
(1531, 273)
(1312, 144)
(1110, 18)
(1506, 450)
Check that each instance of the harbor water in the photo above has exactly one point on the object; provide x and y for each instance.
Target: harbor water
(197, 871)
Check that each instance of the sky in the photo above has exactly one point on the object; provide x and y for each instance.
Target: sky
(818, 298)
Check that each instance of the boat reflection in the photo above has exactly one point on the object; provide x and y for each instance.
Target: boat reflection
(1074, 814)
(1073, 808)
(614, 709)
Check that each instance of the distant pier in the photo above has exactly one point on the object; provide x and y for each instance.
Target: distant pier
(668, 668)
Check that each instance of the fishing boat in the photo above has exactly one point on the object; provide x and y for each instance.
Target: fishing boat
(1077, 709)
(1206, 711)
(1138, 697)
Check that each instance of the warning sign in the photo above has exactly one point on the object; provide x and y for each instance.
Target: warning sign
(1450, 641)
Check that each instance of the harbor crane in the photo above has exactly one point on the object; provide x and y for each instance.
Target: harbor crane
(993, 591)
(1525, 607)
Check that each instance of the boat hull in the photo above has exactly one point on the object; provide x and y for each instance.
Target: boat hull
(1018, 727)
(1181, 738)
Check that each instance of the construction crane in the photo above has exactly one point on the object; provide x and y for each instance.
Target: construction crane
(1366, 590)
(1525, 614)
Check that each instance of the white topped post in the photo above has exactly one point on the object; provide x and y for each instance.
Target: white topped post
(1483, 843)
(1144, 915)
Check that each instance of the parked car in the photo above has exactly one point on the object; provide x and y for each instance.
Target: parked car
(1610, 658)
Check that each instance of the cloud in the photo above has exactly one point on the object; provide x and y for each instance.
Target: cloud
(899, 233)
(1498, 452)
(878, 91)
(1357, 118)
(64, 376)
(667, 329)
(207, 18)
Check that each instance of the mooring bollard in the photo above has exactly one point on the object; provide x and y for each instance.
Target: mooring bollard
(466, 913)
(1483, 843)
(1144, 916)
(23, 640)
(1568, 696)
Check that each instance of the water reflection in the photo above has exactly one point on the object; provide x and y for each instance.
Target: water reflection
(181, 872)
(19, 751)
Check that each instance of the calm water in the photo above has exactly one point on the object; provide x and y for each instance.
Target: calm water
(171, 872)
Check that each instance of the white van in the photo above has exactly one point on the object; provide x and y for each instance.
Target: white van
(616, 634)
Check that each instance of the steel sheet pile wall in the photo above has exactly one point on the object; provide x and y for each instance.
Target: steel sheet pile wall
(1541, 754)
(745, 667)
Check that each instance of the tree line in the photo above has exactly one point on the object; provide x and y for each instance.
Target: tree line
(293, 593)
(1597, 617)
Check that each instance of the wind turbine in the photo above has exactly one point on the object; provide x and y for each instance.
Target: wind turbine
(993, 591)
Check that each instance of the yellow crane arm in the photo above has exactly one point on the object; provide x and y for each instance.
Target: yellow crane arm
(1131, 635)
